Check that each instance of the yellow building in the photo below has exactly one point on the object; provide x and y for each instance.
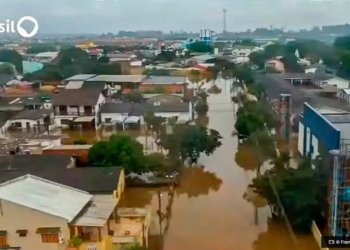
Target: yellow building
(87, 45)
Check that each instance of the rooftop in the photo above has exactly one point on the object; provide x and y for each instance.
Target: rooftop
(338, 118)
(165, 80)
(97, 212)
(34, 114)
(118, 78)
(68, 147)
(275, 84)
(140, 109)
(87, 95)
(47, 54)
(58, 168)
(45, 196)
(80, 77)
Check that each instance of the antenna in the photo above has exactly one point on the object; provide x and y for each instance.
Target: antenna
(224, 15)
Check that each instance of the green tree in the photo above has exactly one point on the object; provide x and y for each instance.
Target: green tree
(200, 47)
(302, 192)
(166, 56)
(39, 48)
(135, 97)
(8, 69)
(263, 146)
(104, 59)
(189, 141)
(120, 150)
(202, 108)
(72, 55)
(195, 76)
(154, 123)
(244, 74)
(158, 162)
(213, 73)
(253, 116)
(12, 56)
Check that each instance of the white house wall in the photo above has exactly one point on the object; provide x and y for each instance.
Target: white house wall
(339, 83)
(344, 130)
(113, 116)
(314, 143)
(301, 138)
(32, 123)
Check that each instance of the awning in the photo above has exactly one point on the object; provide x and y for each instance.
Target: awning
(97, 212)
(84, 119)
(183, 118)
(48, 230)
(3, 233)
(22, 231)
(132, 119)
(119, 120)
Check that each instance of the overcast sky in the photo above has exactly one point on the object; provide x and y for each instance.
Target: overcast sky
(101, 16)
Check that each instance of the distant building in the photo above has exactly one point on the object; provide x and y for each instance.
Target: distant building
(274, 66)
(321, 130)
(45, 57)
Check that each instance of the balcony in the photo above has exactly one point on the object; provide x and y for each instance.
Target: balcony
(105, 244)
(69, 113)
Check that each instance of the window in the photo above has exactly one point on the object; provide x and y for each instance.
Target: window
(3, 238)
(49, 234)
(108, 120)
(22, 233)
(49, 238)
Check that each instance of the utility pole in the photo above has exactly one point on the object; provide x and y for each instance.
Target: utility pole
(224, 15)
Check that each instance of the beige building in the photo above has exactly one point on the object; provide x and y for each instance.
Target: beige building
(39, 214)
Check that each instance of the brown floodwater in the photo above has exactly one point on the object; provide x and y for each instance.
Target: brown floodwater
(209, 210)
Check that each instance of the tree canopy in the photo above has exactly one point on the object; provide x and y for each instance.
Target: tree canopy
(12, 56)
(302, 192)
(120, 150)
(72, 61)
(253, 116)
(189, 141)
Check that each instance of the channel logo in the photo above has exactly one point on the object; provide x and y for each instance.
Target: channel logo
(16, 27)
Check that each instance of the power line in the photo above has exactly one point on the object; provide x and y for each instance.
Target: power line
(285, 217)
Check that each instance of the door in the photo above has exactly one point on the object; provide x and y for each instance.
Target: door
(28, 125)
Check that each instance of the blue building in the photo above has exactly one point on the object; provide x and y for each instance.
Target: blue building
(322, 129)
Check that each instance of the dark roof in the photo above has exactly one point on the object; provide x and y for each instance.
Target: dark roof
(4, 117)
(122, 107)
(275, 85)
(338, 118)
(306, 76)
(164, 80)
(5, 78)
(317, 66)
(32, 114)
(171, 107)
(85, 96)
(138, 109)
(55, 168)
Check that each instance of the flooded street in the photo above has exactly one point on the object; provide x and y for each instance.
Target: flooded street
(208, 210)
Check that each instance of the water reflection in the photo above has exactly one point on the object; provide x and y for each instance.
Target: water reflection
(268, 240)
(196, 181)
(246, 158)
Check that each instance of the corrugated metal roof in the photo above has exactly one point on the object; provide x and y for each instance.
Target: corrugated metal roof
(45, 196)
(338, 118)
(80, 77)
(97, 212)
(118, 78)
